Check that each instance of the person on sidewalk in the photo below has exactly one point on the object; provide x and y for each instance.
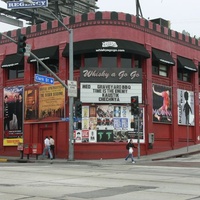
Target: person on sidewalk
(52, 146)
(47, 148)
(130, 147)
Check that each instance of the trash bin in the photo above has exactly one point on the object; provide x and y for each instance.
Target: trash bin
(37, 149)
(20, 148)
(27, 150)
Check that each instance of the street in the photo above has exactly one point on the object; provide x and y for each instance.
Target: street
(175, 179)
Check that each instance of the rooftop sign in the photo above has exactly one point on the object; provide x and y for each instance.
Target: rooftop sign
(23, 4)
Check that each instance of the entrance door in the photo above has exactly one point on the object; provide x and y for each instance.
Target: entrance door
(45, 132)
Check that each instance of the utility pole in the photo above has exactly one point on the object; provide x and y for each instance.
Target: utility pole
(138, 9)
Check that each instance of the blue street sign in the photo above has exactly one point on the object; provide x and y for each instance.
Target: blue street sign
(27, 4)
(65, 119)
(44, 79)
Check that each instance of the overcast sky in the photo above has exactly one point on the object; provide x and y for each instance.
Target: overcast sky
(183, 14)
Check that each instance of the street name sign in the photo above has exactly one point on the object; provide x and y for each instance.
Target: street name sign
(27, 4)
(44, 79)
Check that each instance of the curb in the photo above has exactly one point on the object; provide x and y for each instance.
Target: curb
(176, 156)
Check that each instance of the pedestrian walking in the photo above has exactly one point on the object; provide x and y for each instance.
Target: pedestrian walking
(47, 148)
(52, 146)
(130, 146)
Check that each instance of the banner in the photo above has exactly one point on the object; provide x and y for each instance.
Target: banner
(162, 104)
(185, 107)
(13, 113)
(44, 103)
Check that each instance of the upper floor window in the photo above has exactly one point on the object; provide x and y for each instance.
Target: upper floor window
(159, 69)
(77, 62)
(109, 61)
(125, 60)
(49, 56)
(91, 60)
(161, 61)
(184, 76)
(185, 68)
(16, 72)
(14, 66)
(53, 65)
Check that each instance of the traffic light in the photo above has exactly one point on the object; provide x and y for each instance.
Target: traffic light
(21, 44)
(134, 105)
(78, 109)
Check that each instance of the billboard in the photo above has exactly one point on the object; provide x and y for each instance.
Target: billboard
(185, 107)
(162, 110)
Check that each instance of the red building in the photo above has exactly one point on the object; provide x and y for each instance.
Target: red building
(116, 56)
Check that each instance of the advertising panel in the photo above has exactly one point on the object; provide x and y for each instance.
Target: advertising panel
(44, 103)
(185, 107)
(13, 115)
(162, 104)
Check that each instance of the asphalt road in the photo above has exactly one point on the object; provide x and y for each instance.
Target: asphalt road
(174, 179)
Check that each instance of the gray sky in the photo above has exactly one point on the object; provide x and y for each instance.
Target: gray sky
(183, 14)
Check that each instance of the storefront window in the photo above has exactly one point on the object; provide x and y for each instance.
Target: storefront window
(126, 62)
(91, 62)
(77, 62)
(16, 72)
(109, 62)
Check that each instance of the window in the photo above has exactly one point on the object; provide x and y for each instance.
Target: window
(16, 72)
(184, 76)
(159, 69)
(109, 62)
(126, 62)
(138, 62)
(52, 64)
(77, 62)
(91, 61)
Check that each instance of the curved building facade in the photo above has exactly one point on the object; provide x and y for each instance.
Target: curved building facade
(117, 57)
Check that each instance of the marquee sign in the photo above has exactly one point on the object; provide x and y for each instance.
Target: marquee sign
(110, 92)
(110, 75)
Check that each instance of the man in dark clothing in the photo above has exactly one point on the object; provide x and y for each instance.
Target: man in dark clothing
(7, 114)
(130, 147)
(19, 112)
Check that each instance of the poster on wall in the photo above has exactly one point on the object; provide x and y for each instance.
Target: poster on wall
(13, 115)
(104, 135)
(44, 103)
(185, 107)
(109, 123)
(162, 104)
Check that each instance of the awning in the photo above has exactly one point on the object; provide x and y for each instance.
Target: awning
(186, 64)
(45, 54)
(107, 46)
(13, 60)
(162, 57)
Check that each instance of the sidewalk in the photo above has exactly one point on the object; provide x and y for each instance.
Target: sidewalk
(147, 158)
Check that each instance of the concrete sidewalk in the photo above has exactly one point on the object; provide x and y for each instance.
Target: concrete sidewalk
(147, 158)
